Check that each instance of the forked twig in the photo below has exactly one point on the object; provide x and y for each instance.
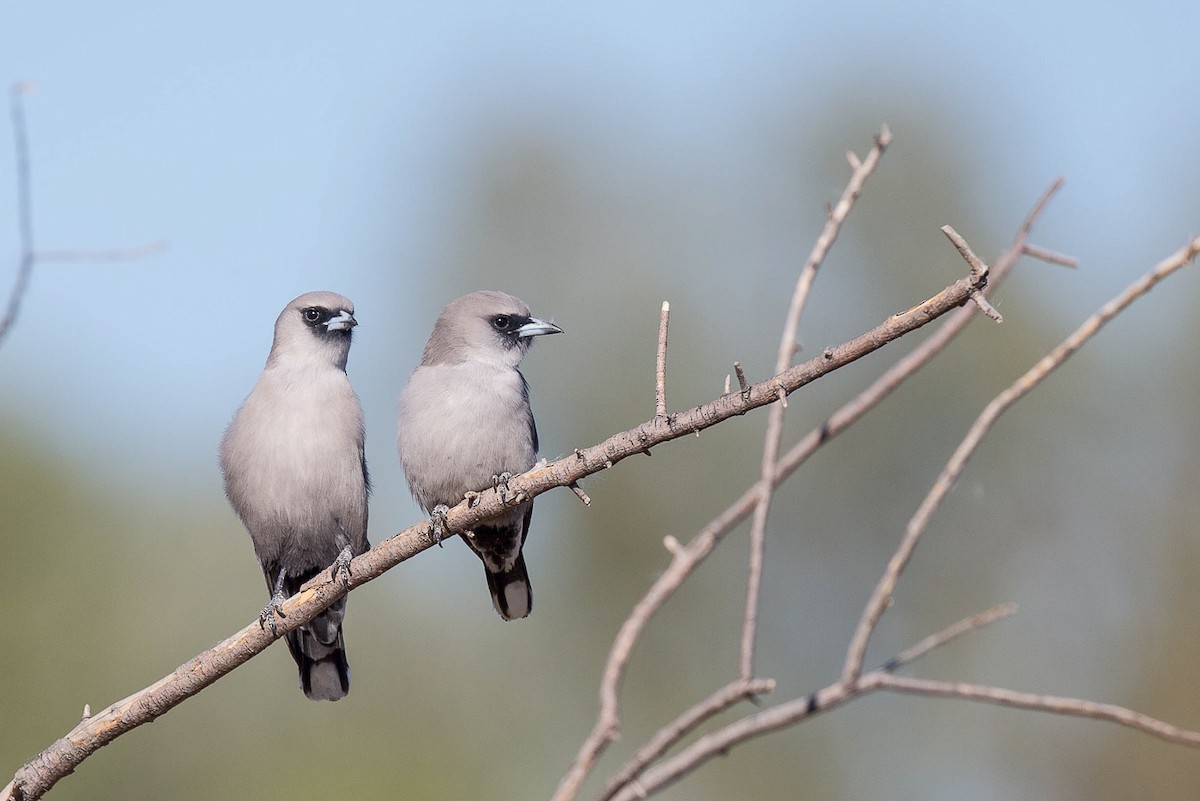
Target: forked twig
(784, 715)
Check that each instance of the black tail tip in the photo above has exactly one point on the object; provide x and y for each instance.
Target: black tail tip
(511, 596)
(326, 679)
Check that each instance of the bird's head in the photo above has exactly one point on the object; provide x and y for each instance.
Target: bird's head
(487, 326)
(316, 326)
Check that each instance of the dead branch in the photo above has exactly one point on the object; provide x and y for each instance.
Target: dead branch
(686, 560)
(1022, 386)
(779, 717)
(853, 683)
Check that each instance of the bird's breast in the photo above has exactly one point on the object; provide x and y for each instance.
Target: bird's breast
(461, 425)
(298, 450)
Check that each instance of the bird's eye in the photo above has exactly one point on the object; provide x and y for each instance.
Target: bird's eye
(312, 315)
(502, 322)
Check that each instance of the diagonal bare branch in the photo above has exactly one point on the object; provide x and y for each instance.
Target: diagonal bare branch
(881, 597)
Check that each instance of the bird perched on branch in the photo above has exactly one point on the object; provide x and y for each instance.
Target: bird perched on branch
(296, 476)
(465, 425)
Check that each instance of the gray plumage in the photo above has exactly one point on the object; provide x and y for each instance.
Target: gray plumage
(295, 474)
(465, 420)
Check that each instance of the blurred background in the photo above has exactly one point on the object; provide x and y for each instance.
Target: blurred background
(596, 161)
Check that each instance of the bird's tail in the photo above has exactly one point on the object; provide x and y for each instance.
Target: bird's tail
(511, 593)
(320, 654)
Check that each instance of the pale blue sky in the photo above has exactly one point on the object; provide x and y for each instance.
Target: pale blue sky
(282, 148)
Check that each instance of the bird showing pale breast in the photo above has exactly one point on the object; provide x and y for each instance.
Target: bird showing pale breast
(465, 424)
(295, 474)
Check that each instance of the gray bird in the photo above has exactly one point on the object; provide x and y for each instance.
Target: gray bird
(465, 425)
(296, 476)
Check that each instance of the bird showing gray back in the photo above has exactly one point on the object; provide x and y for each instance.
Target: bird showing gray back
(296, 476)
(465, 424)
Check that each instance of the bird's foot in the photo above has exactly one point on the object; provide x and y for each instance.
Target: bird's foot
(437, 523)
(267, 616)
(341, 567)
(471, 497)
(500, 485)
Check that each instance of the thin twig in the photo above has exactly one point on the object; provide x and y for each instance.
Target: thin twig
(1076, 707)
(580, 494)
(1035, 375)
(1050, 256)
(24, 208)
(948, 634)
(741, 376)
(660, 363)
(787, 349)
(960, 244)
